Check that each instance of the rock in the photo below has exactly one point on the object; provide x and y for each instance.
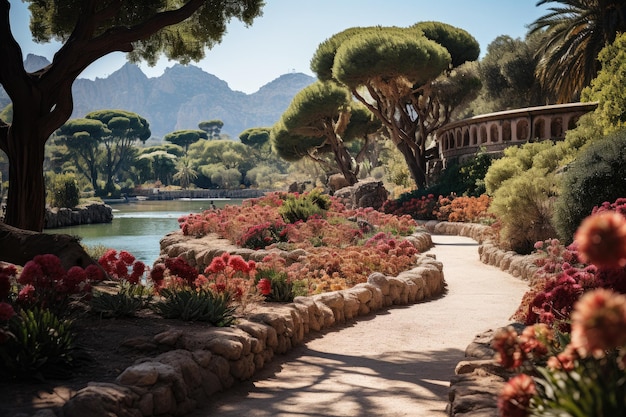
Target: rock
(102, 400)
(90, 213)
(20, 246)
(365, 193)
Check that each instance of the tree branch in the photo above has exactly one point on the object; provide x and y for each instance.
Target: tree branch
(12, 67)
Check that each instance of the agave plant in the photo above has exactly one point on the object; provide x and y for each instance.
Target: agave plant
(196, 305)
(41, 346)
(129, 299)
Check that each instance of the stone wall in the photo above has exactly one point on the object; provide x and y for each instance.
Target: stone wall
(194, 366)
(90, 213)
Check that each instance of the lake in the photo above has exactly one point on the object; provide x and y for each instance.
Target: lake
(138, 227)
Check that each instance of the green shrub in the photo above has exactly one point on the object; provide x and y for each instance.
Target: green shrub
(302, 206)
(95, 252)
(65, 192)
(196, 305)
(282, 289)
(124, 302)
(523, 205)
(597, 175)
(42, 346)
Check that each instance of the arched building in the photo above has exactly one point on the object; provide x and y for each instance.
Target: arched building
(496, 131)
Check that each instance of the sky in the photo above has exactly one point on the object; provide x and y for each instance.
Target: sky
(285, 37)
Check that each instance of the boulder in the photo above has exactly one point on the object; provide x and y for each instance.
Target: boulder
(365, 193)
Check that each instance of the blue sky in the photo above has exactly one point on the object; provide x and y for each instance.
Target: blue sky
(285, 38)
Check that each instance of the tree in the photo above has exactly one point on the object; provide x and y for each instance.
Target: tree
(212, 128)
(508, 74)
(185, 173)
(256, 137)
(42, 100)
(410, 78)
(185, 138)
(82, 137)
(125, 129)
(575, 32)
(317, 121)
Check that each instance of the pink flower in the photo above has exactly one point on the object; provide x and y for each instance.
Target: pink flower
(599, 323)
(601, 240)
(515, 397)
(6, 311)
(265, 286)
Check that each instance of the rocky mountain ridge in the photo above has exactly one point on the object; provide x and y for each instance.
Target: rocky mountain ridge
(180, 98)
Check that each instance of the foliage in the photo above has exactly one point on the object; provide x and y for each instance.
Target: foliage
(414, 77)
(301, 207)
(212, 128)
(123, 301)
(573, 34)
(275, 285)
(580, 290)
(184, 138)
(41, 346)
(264, 234)
(64, 190)
(189, 304)
(607, 89)
(523, 204)
(322, 119)
(596, 176)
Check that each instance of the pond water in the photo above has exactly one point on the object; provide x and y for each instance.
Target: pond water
(138, 227)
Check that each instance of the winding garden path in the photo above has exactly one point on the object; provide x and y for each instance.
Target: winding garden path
(398, 362)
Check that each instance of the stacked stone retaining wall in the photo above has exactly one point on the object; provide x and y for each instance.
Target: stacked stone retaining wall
(91, 213)
(197, 365)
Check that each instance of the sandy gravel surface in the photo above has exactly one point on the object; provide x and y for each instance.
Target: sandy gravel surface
(396, 363)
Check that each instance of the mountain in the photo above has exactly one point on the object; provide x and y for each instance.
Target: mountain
(182, 97)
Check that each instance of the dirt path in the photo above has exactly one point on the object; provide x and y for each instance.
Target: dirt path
(397, 363)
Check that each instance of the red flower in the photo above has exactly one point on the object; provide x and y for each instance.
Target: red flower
(265, 286)
(94, 273)
(127, 257)
(138, 270)
(6, 311)
(27, 293)
(217, 265)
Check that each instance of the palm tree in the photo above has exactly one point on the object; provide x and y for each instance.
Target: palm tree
(574, 33)
(185, 173)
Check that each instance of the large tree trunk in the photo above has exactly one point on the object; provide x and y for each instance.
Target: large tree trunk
(416, 169)
(26, 197)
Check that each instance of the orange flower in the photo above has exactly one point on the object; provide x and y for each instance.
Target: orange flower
(601, 239)
(599, 323)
